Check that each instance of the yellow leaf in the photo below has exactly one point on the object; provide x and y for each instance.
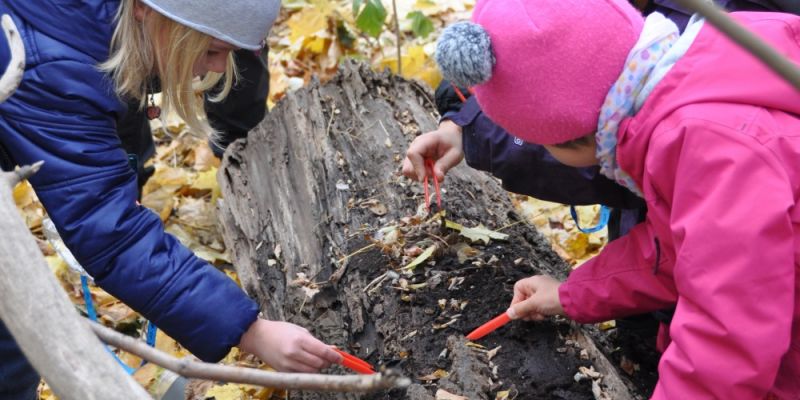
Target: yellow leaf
(45, 393)
(502, 395)
(169, 345)
(232, 356)
(207, 180)
(24, 194)
(229, 391)
(162, 186)
(232, 274)
(310, 20)
(577, 245)
(147, 375)
(606, 325)
(417, 64)
(316, 44)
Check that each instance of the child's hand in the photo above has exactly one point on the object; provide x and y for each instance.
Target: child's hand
(535, 298)
(442, 146)
(287, 347)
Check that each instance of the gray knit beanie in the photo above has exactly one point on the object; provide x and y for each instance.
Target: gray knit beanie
(242, 23)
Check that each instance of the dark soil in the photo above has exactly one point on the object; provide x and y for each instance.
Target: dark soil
(533, 359)
(536, 360)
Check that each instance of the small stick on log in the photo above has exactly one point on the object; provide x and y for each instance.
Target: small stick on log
(251, 376)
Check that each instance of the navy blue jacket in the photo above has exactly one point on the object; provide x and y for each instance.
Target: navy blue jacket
(64, 113)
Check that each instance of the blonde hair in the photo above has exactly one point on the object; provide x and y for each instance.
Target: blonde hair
(159, 45)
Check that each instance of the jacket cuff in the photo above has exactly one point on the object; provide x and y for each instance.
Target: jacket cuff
(247, 316)
(466, 115)
(567, 302)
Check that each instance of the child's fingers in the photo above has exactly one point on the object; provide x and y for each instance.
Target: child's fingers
(524, 288)
(309, 362)
(417, 162)
(321, 350)
(450, 159)
(408, 169)
(527, 309)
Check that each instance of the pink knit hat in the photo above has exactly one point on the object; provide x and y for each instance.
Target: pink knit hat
(546, 66)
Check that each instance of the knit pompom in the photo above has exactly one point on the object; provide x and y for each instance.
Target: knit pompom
(464, 54)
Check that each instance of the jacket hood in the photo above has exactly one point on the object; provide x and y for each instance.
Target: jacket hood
(86, 24)
(716, 70)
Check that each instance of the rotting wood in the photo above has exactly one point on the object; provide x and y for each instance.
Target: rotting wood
(319, 176)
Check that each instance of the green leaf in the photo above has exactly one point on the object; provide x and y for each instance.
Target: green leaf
(371, 18)
(421, 258)
(420, 24)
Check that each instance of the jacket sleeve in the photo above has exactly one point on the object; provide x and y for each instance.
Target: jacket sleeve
(447, 99)
(627, 278)
(734, 268)
(90, 193)
(528, 169)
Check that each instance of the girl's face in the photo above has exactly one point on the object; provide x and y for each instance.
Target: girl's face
(579, 156)
(215, 59)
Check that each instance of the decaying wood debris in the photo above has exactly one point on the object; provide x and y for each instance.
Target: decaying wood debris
(325, 233)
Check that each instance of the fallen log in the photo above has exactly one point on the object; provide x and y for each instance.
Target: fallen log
(324, 232)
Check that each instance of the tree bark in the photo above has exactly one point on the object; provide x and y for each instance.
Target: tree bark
(44, 323)
(311, 186)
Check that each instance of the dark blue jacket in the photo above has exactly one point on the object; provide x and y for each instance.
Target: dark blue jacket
(64, 113)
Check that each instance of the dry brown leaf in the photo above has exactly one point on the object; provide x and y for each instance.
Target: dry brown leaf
(434, 376)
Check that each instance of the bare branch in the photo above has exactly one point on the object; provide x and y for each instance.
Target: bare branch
(22, 173)
(251, 376)
(44, 322)
(16, 66)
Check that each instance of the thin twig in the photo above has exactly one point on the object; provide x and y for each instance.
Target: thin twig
(510, 225)
(251, 376)
(749, 41)
(357, 252)
(399, 39)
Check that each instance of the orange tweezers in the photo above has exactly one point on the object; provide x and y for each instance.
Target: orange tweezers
(489, 327)
(354, 363)
(429, 172)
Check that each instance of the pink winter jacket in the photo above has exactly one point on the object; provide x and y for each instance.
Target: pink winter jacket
(716, 151)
